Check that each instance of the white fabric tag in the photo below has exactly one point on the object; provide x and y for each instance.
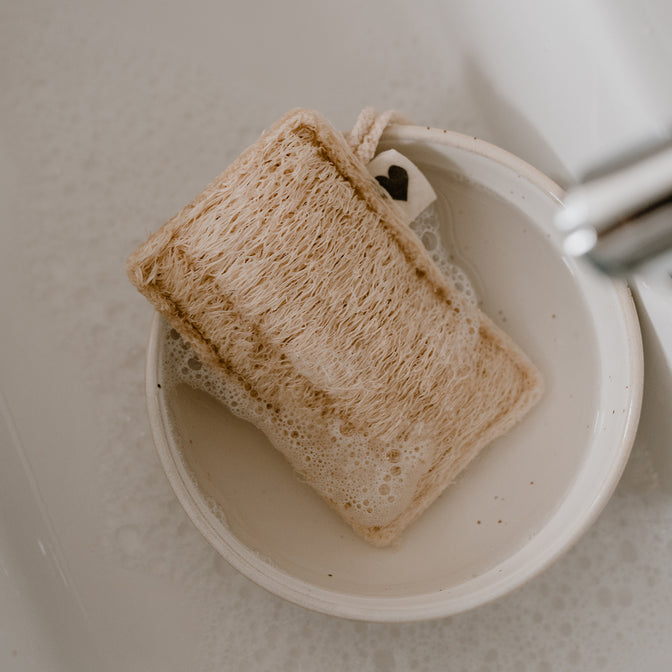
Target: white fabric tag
(407, 186)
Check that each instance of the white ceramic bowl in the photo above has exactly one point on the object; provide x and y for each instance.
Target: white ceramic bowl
(520, 505)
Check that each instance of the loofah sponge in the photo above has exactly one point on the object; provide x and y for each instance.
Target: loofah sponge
(295, 277)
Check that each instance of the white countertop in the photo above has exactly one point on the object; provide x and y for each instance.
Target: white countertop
(113, 116)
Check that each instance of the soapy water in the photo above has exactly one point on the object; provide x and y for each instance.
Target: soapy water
(372, 494)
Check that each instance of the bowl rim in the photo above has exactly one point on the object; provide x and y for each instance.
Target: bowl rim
(407, 608)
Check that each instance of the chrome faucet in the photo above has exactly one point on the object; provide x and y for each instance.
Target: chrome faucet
(621, 218)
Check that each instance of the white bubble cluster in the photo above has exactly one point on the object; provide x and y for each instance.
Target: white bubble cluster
(427, 226)
(358, 482)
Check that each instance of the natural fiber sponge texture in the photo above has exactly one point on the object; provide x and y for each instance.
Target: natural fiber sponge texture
(294, 276)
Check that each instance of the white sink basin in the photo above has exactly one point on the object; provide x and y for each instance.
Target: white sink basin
(112, 117)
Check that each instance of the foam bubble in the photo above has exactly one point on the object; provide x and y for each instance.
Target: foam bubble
(427, 226)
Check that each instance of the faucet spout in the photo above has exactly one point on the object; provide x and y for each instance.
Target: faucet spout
(622, 220)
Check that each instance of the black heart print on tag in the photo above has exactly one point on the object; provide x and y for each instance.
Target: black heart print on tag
(395, 182)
